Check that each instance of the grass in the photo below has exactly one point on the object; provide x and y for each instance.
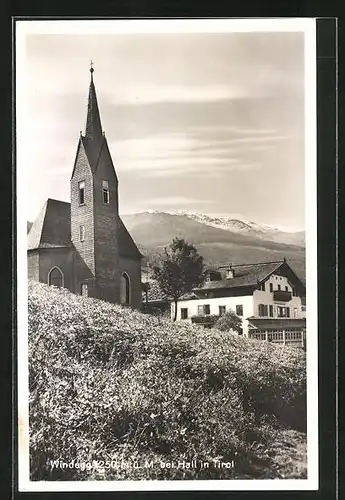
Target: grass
(111, 384)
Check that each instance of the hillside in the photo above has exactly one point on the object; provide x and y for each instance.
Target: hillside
(152, 231)
(114, 385)
(248, 228)
(220, 241)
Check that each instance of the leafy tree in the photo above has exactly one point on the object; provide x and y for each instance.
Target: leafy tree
(180, 270)
(229, 321)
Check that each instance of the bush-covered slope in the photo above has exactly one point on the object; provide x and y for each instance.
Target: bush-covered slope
(111, 384)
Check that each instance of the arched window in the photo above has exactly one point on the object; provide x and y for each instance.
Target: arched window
(55, 277)
(125, 289)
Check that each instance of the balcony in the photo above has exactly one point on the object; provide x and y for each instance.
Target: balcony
(205, 320)
(282, 296)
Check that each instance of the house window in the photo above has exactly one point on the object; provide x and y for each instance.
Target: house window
(125, 289)
(105, 192)
(295, 312)
(203, 310)
(55, 277)
(271, 287)
(286, 288)
(82, 193)
(222, 310)
(279, 287)
(84, 290)
(82, 232)
(271, 310)
(294, 291)
(263, 310)
(184, 312)
(239, 310)
(283, 312)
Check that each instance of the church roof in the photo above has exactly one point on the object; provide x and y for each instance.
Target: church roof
(93, 129)
(51, 229)
(127, 246)
(94, 141)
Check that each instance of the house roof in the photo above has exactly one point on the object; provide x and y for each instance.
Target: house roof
(279, 324)
(51, 229)
(251, 275)
(245, 275)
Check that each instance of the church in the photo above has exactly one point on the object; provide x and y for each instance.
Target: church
(83, 245)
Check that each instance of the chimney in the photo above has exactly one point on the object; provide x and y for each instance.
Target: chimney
(230, 273)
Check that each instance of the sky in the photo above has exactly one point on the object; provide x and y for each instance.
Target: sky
(206, 122)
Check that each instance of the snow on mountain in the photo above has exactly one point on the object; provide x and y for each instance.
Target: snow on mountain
(228, 223)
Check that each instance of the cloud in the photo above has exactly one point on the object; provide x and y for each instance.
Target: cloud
(152, 94)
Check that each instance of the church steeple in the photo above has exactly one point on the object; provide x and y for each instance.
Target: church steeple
(93, 129)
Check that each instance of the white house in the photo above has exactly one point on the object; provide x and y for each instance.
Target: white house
(265, 295)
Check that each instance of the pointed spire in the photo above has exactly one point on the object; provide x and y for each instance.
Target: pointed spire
(93, 129)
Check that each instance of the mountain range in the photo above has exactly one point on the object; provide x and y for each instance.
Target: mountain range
(220, 240)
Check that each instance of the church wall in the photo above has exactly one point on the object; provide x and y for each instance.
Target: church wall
(106, 231)
(133, 268)
(33, 265)
(60, 257)
(83, 214)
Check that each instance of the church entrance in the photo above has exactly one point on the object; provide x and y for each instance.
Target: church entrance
(55, 277)
(125, 295)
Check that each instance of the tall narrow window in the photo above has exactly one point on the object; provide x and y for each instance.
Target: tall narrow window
(105, 192)
(184, 312)
(81, 193)
(271, 287)
(271, 310)
(125, 290)
(279, 287)
(207, 309)
(239, 310)
(222, 310)
(261, 310)
(55, 277)
(82, 232)
(84, 290)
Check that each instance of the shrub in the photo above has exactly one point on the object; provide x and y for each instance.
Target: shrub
(110, 383)
(229, 321)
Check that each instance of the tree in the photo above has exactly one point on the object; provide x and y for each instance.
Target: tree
(180, 270)
(229, 321)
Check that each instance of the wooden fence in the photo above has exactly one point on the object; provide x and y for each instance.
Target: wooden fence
(296, 338)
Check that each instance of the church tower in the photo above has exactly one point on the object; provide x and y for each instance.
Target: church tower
(94, 211)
